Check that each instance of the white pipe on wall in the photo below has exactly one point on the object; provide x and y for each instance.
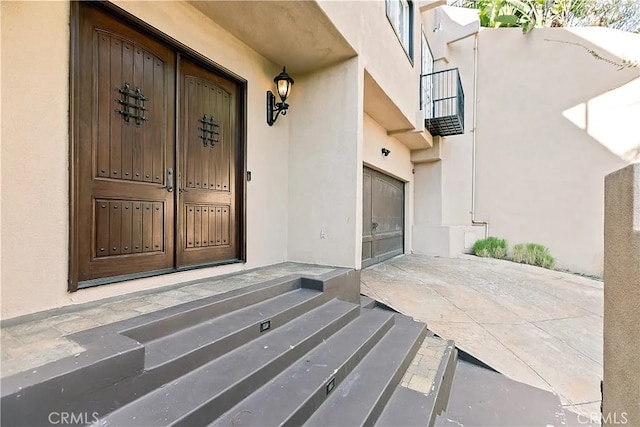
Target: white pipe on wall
(474, 142)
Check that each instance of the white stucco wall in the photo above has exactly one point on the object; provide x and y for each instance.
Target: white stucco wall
(552, 122)
(35, 151)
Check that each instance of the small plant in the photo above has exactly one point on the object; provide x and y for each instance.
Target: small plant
(533, 254)
(491, 247)
(520, 253)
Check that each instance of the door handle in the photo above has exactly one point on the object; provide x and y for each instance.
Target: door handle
(374, 225)
(169, 186)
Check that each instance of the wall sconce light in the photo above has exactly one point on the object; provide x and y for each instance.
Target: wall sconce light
(385, 152)
(283, 83)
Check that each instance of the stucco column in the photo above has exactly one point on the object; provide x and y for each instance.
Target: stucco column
(621, 400)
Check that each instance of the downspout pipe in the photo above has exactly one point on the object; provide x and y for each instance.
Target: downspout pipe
(474, 221)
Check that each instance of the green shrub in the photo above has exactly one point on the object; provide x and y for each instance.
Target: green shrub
(533, 254)
(491, 247)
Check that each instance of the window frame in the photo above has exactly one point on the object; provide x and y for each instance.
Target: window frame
(393, 12)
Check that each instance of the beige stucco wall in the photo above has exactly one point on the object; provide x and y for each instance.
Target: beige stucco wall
(35, 38)
(365, 26)
(428, 235)
(35, 149)
(0, 155)
(331, 139)
(540, 168)
(552, 121)
(397, 164)
(326, 137)
(443, 188)
(304, 202)
(621, 398)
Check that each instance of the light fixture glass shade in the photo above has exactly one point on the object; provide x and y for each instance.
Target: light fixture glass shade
(283, 89)
(283, 82)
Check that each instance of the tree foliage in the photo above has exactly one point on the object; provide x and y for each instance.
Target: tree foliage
(620, 14)
(528, 14)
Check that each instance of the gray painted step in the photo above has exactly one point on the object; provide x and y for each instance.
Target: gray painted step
(174, 355)
(204, 394)
(361, 397)
(172, 319)
(366, 302)
(291, 397)
(408, 408)
(204, 342)
(481, 397)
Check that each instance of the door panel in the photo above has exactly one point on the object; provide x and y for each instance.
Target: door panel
(124, 146)
(383, 217)
(367, 238)
(207, 220)
(126, 227)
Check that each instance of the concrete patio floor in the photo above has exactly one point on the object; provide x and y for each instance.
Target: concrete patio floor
(536, 326)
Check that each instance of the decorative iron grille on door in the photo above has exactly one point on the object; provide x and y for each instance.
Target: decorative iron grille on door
(210, 130)
(131, 109)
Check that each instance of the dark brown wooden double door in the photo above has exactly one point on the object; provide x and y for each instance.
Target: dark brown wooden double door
(382, 217)
(153, 190)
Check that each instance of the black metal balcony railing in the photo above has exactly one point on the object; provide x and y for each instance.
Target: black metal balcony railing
(442, 100)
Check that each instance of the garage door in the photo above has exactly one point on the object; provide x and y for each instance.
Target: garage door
(382, 217)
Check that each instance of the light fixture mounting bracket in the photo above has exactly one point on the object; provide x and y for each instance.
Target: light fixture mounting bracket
(274, 109)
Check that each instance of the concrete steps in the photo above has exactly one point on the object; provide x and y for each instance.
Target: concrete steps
(360, 399)
(203, 394)
(291, 397)
(292, 351)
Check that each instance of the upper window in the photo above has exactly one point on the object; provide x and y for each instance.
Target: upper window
(426, 80)
(400, 14)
